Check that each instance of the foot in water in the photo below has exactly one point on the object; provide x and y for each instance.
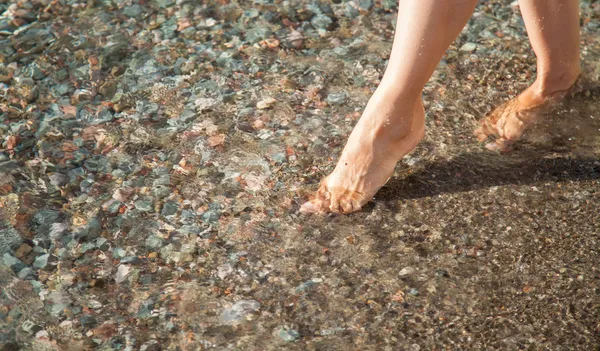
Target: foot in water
(388, 129)
(509, 121)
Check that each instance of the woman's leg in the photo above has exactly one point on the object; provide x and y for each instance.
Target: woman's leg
(553, 29)
(393, 121)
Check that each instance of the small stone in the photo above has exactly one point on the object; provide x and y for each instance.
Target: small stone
(336, 98)
(23, 251)
(30, 327)
(130, 259)
(266, 103)
(8, 166)
(238, 311)
(154, 242)
(203, 104)
(442, 273)
(87, 321)
(26, 273)
(165, 3)
(68, 279)
(58, 179)
(145, 310)
(287, 334)
(44, 261)
(122, 194)
(133, 11)
(413, 291)
(122, 273)
(85, 247)
(94, 304)
(144, 205)
(9, 239)
(468, 47)
(151, 345)
(406, 271)
(169, 208)
(308, 284)
(161, 191)
(60, 300)
(321, 22)
(224, 270)
(119, 252)
(57, 230)
(365, 5)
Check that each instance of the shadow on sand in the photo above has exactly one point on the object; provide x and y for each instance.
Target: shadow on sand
(477, 170)
(565, 147)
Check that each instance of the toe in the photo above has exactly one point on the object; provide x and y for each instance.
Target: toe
(500, 144)
(335, 205)
(347, 206)
(316, 205)
(309, 207)
(487, 128)
(480, 134)
(514, 127)
(319, 203)
(489, 124)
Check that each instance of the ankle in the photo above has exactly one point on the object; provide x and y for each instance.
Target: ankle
(553, 81)
(404, 121)
(392, 91)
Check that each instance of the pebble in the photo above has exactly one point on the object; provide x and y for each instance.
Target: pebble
(336, 99)
(406, 271)
(238, 311)
(123, 271)
(266, 103)
(287, 334)
(224, 270)
(468, 47)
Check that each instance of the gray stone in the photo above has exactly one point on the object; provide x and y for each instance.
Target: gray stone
(144, 205)
(88, 321)
(321, 21)
(57, 230)
(308, 284)
(224, 270)
(337, 98)
(365, 4)
(165, 3)
(41, 261)
(10, 239)
(8, 166)
(119, 252)
(257, 34)
(26, 273)
(145, 310)
(58, 179)
(238, 311)
(161, 191)
(46, 217)
(59, 301)
(154, 242)
(133, 11)
(123, 271)
(468, 47)
(286, 334)
(406, 271)
(203, 104)
(130, 259)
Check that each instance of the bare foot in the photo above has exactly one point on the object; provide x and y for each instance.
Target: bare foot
(387, 130)
(509, 121)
